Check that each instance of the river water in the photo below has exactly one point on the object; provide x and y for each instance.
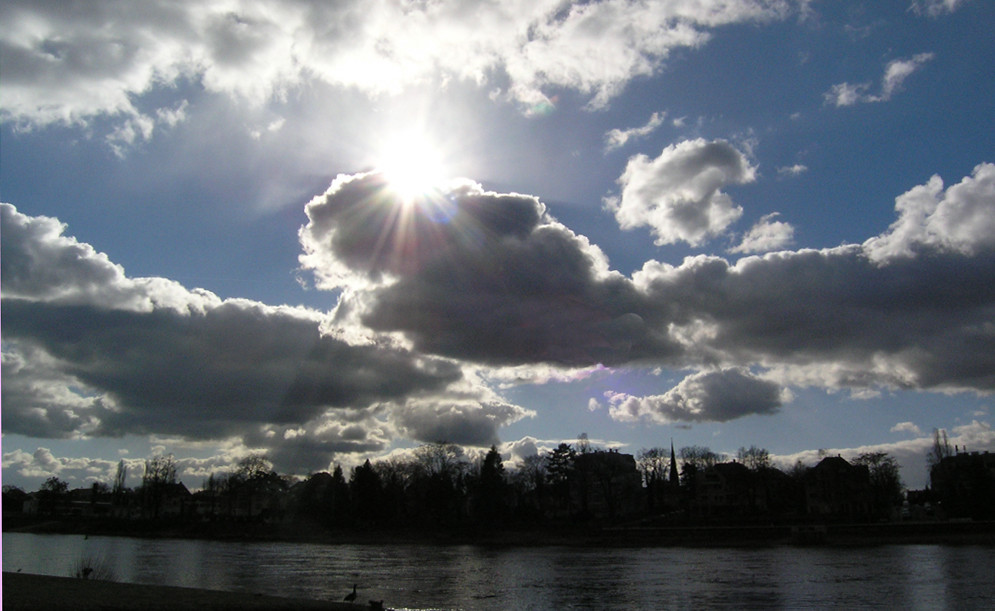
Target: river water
(478, 578)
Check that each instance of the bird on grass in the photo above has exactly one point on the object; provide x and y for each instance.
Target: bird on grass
(352, 595)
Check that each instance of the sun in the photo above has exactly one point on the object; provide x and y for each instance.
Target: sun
(413, 166)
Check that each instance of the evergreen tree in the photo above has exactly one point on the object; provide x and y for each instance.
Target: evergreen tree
(559, 467)
(490, 502)
(366, 490)
(339, 492)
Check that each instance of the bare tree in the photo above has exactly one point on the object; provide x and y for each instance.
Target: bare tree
(886, 484)
(118, 489)
(160, 473)
(441, 458)
(653, 465)
(253, 467)
(52, 495)
(941, 448)
(756, 459)
(253, 483)
(698, 457)
(529, 482)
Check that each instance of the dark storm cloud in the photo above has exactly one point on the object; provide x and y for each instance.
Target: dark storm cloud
(462, 423)
(493, 281)
(912, 308)
(311, 449)
(715, 396)
(363, 224)
(922, 322)
(90, 351)
(207, 375)
(37, 400)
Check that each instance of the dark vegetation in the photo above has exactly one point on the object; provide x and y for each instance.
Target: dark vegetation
(443, 492)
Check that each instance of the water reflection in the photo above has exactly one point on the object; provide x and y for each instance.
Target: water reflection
(472, 578)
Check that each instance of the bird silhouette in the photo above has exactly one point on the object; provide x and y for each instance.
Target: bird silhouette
(352, 595)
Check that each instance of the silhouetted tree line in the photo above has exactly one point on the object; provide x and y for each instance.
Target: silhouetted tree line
(441, 486)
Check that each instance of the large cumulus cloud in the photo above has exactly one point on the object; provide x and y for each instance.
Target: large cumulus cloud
(500, 283)
(494, 281)
(74, 62)
(206, 375)
(473, 279)
(88, 350)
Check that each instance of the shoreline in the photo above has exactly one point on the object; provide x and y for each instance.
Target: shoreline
(688, 535)
(23, 592)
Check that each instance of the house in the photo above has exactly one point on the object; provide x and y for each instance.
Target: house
(723, 489)
(14, 499)
(171, 500)
(834, 488)
(964, 485)
(89, 502)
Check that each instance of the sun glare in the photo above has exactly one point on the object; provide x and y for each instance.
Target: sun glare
(413, 167)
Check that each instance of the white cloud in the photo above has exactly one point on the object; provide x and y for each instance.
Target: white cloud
(935, 8)
(766, 235)
(793, 170)
(678, 195)
(72, 63)
(960, 218)
(895, 73)
(898, 70)
(846, 94)
(906, 427)
(617, 138)
(42, 464)
(39, 263)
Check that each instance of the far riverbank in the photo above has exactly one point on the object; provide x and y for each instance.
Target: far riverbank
(695, 535)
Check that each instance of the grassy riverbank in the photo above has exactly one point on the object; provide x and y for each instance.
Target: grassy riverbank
(23, 592)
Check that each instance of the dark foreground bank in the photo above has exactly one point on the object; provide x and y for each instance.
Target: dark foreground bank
(23, 592)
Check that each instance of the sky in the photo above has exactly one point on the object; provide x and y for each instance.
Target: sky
(332, 232)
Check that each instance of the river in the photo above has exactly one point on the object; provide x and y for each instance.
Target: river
(479, 578)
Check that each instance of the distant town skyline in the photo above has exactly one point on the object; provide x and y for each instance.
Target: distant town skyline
(332, 233)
